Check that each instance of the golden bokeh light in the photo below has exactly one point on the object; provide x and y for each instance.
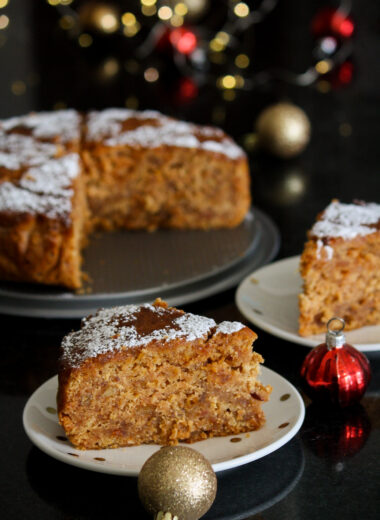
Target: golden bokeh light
(242, 61)
(176, 20)
(228, 81)
(4, 21)
(323, 66)
(323, 86)
(128, 19)
(181, 9)
(148, 10)
(18, 88)
(241, 10)
(85, 40)
(151, 74)
(165, 13)
(67, 22)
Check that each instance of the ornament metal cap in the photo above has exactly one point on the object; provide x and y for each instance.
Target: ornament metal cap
(335, 338)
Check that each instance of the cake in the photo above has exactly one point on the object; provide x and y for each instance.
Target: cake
(340, 268)
(155, 374)
(63, 174)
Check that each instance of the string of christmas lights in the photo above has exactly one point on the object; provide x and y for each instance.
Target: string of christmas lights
(194, 46)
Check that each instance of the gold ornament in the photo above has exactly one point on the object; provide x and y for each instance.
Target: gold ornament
(177, 481)
(283, 130)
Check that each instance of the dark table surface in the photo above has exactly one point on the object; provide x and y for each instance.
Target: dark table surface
(331, 469)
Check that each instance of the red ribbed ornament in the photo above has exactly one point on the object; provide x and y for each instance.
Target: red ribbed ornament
(336, 371)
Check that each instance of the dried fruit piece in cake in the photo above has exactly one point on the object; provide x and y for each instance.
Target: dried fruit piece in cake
(340, 267)
(155, 374)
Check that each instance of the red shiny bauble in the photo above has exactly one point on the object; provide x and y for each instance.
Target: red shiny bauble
(329, 21)
(339, 375)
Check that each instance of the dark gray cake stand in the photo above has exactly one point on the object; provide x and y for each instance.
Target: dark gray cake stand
(137, 267)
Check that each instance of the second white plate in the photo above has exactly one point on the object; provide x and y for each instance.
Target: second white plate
(284, 413)
(268, 298)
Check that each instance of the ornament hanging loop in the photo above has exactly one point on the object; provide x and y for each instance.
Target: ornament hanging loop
(335, 338)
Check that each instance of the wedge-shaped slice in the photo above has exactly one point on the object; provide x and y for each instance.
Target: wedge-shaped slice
(155, 374)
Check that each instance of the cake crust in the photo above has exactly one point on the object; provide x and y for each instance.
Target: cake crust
(154, 374)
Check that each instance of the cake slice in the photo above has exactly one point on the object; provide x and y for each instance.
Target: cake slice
(155, 374)
(340, 267)
(145, 170)
(42, 199)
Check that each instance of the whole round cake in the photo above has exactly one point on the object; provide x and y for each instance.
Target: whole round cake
(63, 174)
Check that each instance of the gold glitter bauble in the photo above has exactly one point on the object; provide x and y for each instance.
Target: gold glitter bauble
(283, 130)
(178, 480)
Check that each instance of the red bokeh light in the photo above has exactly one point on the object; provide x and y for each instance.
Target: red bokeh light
(329, 21)
(187, 89)
(345, 73)
(345, 27)
(183, 40)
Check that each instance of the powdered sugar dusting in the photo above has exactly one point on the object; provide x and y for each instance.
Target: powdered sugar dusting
(229, 327)
(116, 328)
(64, 124)
(18, 150)
(347, 220)
(19, 200)
(54, 177)
(107, 125)
(45, 189)
(328, 251)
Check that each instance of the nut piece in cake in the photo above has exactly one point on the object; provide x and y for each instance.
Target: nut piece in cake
(340, 267)
(155, 374)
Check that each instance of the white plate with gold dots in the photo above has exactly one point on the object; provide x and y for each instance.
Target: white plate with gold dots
(284, 413)
(268, 298)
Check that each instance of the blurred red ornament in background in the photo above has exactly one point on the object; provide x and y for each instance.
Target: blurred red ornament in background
(184, 40)
(335, 371)
(329, 21)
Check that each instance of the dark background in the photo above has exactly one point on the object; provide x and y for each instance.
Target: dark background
(340, 477)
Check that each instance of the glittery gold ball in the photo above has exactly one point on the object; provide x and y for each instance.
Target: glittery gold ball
(178, 480)
(283, 130)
